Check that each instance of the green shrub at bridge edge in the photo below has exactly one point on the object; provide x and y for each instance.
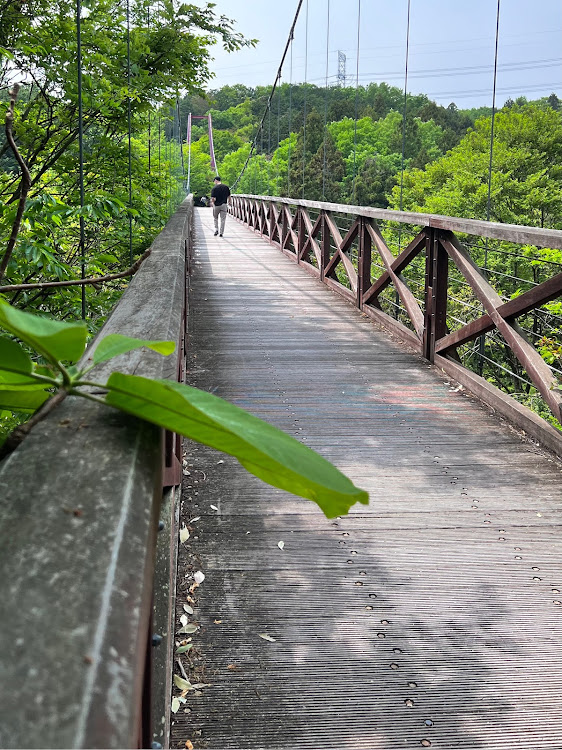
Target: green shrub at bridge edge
(262, 449)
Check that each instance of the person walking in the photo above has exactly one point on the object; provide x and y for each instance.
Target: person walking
(220, 196)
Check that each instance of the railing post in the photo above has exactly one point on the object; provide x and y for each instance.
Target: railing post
(325, 246)
(363, 261)
(436, 278)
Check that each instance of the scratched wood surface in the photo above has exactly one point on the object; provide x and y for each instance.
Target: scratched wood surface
(431, 618)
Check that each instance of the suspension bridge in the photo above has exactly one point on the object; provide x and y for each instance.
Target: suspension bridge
(157, 595)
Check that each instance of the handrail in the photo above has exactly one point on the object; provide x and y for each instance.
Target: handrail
(80, 504)
(358, 263)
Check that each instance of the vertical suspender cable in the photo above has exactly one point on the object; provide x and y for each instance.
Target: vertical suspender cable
(81, 152)
(405, 107)
(403, 157)
(353, 198)
(290, 116)
(188, 152)
(482, 339)
(278, 137)
(489, 206)
(180, 137)
(149, 111)
(305, 100)
(129, 130)
(324, 158)
(269, 147)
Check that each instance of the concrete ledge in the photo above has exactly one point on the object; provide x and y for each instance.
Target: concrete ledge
(79, 507)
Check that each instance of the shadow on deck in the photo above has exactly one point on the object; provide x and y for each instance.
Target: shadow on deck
(427, 619)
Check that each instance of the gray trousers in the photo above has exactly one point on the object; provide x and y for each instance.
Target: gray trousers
(220, 211)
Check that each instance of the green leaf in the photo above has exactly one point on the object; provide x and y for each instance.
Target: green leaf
(261, 448)
(184, 649)
(22, 400)
(115, 344)
(51, 338)
(16, 364)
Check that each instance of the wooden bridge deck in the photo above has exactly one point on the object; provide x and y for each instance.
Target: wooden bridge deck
(431, 618)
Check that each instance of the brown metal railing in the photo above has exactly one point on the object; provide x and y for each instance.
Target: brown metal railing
(411, 288)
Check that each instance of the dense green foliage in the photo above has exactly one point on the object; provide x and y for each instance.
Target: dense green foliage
(169, 48)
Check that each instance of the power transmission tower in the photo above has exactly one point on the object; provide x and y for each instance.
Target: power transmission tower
(341, 68)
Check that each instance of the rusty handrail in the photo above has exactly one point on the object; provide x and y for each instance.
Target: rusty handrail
(315, 242)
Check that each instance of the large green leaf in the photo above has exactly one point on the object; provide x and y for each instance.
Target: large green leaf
(15, 364)
(51, 338)
(261, 448)
(22, 400)
(115, 344)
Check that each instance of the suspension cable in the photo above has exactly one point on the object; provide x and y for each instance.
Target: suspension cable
(277, 79)
(129, 131)
(405, 107)
(489, 204)
(81, 153)
(290, 124)
(149, 111)
(324, 156)
(482, 339)
(278, 137)
(305, 93)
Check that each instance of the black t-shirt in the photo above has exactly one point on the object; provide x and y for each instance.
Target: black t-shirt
(220, 193)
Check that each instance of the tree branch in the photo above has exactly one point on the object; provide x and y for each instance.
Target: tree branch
(80, 282)
(24, 185)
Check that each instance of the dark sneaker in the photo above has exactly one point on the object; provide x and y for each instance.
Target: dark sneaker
(216, 232)
(221, 234)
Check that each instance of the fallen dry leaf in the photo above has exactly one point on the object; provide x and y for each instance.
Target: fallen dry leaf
(217, 622)
(182, 684)
(175, 705)
(232, 666)
(266, 637)
(199, 577)
(184, 534)
(281, 545)
(189, 744)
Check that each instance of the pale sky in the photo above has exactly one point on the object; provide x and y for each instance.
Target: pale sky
(451, 46)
